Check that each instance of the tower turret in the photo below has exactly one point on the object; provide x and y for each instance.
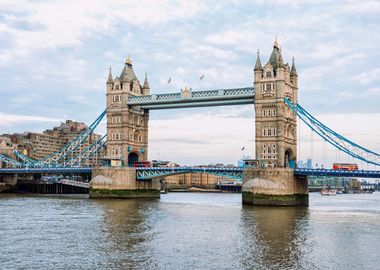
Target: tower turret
(109, 81)
(293, 74)
(146, 88)
(258, 71)
(258, 65)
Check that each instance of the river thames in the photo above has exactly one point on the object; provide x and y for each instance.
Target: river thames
(188, 231)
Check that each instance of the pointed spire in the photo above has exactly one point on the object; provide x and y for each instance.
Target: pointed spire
(280, 61)
(258, 65)
(129, 60)
(293, 71)
(146, 84)
(110, 80)
(276, 58)
(276, 43)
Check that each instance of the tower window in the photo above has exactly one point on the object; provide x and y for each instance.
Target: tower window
(268, 74)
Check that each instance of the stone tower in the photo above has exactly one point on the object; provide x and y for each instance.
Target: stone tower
(276, 138)
(127, 141)
(274, 182)
(127, 127)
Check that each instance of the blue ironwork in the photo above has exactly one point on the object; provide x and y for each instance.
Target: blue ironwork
(87, 152)
(337, 173)
(46, 170)
(333, 137)
(145, 173)
(220, 97)
(24, 158)
(10, 161)
(58, 158)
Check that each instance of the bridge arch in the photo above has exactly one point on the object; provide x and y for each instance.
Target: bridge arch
(289, 158)
(132, 158)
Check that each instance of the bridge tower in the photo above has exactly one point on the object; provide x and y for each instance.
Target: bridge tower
(273, 182)
(127, 127)
(127, 140)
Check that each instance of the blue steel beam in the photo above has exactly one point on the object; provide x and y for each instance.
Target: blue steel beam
(236, 173)
(337, 173)
(332, 137)
(145, 173)
(219, 97)
(46, 170)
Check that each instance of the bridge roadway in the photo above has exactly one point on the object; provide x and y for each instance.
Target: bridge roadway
(144, 173)
(52, 170)
(338, 173)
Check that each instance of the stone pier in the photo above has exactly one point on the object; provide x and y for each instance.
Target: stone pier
(8, 182)
(120, 182)
(274, 187)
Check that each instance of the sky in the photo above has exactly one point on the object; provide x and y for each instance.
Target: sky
(55, 56)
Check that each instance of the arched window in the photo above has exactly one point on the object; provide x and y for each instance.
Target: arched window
(136, 136)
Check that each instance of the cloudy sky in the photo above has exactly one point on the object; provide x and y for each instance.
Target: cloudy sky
(55, 55)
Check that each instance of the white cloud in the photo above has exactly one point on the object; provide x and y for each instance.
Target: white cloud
(66, 23)
(369, 76)
(15, 119)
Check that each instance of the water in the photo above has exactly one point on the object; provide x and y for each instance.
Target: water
(188, 231)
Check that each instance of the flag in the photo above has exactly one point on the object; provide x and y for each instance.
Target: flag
(202, 76)
(170, 79)
(243, 148)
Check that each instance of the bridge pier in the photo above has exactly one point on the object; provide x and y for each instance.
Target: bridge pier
(121, 182)
(274, 187)
(8, 182)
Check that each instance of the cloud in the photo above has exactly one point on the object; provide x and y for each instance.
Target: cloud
(56, 24)
(368, 77)
(14, 119)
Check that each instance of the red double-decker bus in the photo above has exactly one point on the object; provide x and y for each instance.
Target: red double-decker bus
(142, 164)
(345, 166)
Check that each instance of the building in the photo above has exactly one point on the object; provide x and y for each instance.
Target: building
(127, 128)
(6, 148)
(40, 145)
(309, 163)
(276, 137)
(195, 179)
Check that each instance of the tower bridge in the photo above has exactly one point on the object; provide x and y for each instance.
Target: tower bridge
(128, 106)
(274, 95)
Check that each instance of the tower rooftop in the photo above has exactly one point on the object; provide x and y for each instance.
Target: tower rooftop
(127, 74)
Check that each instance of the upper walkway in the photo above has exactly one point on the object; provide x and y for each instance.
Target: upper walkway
(189, 99)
